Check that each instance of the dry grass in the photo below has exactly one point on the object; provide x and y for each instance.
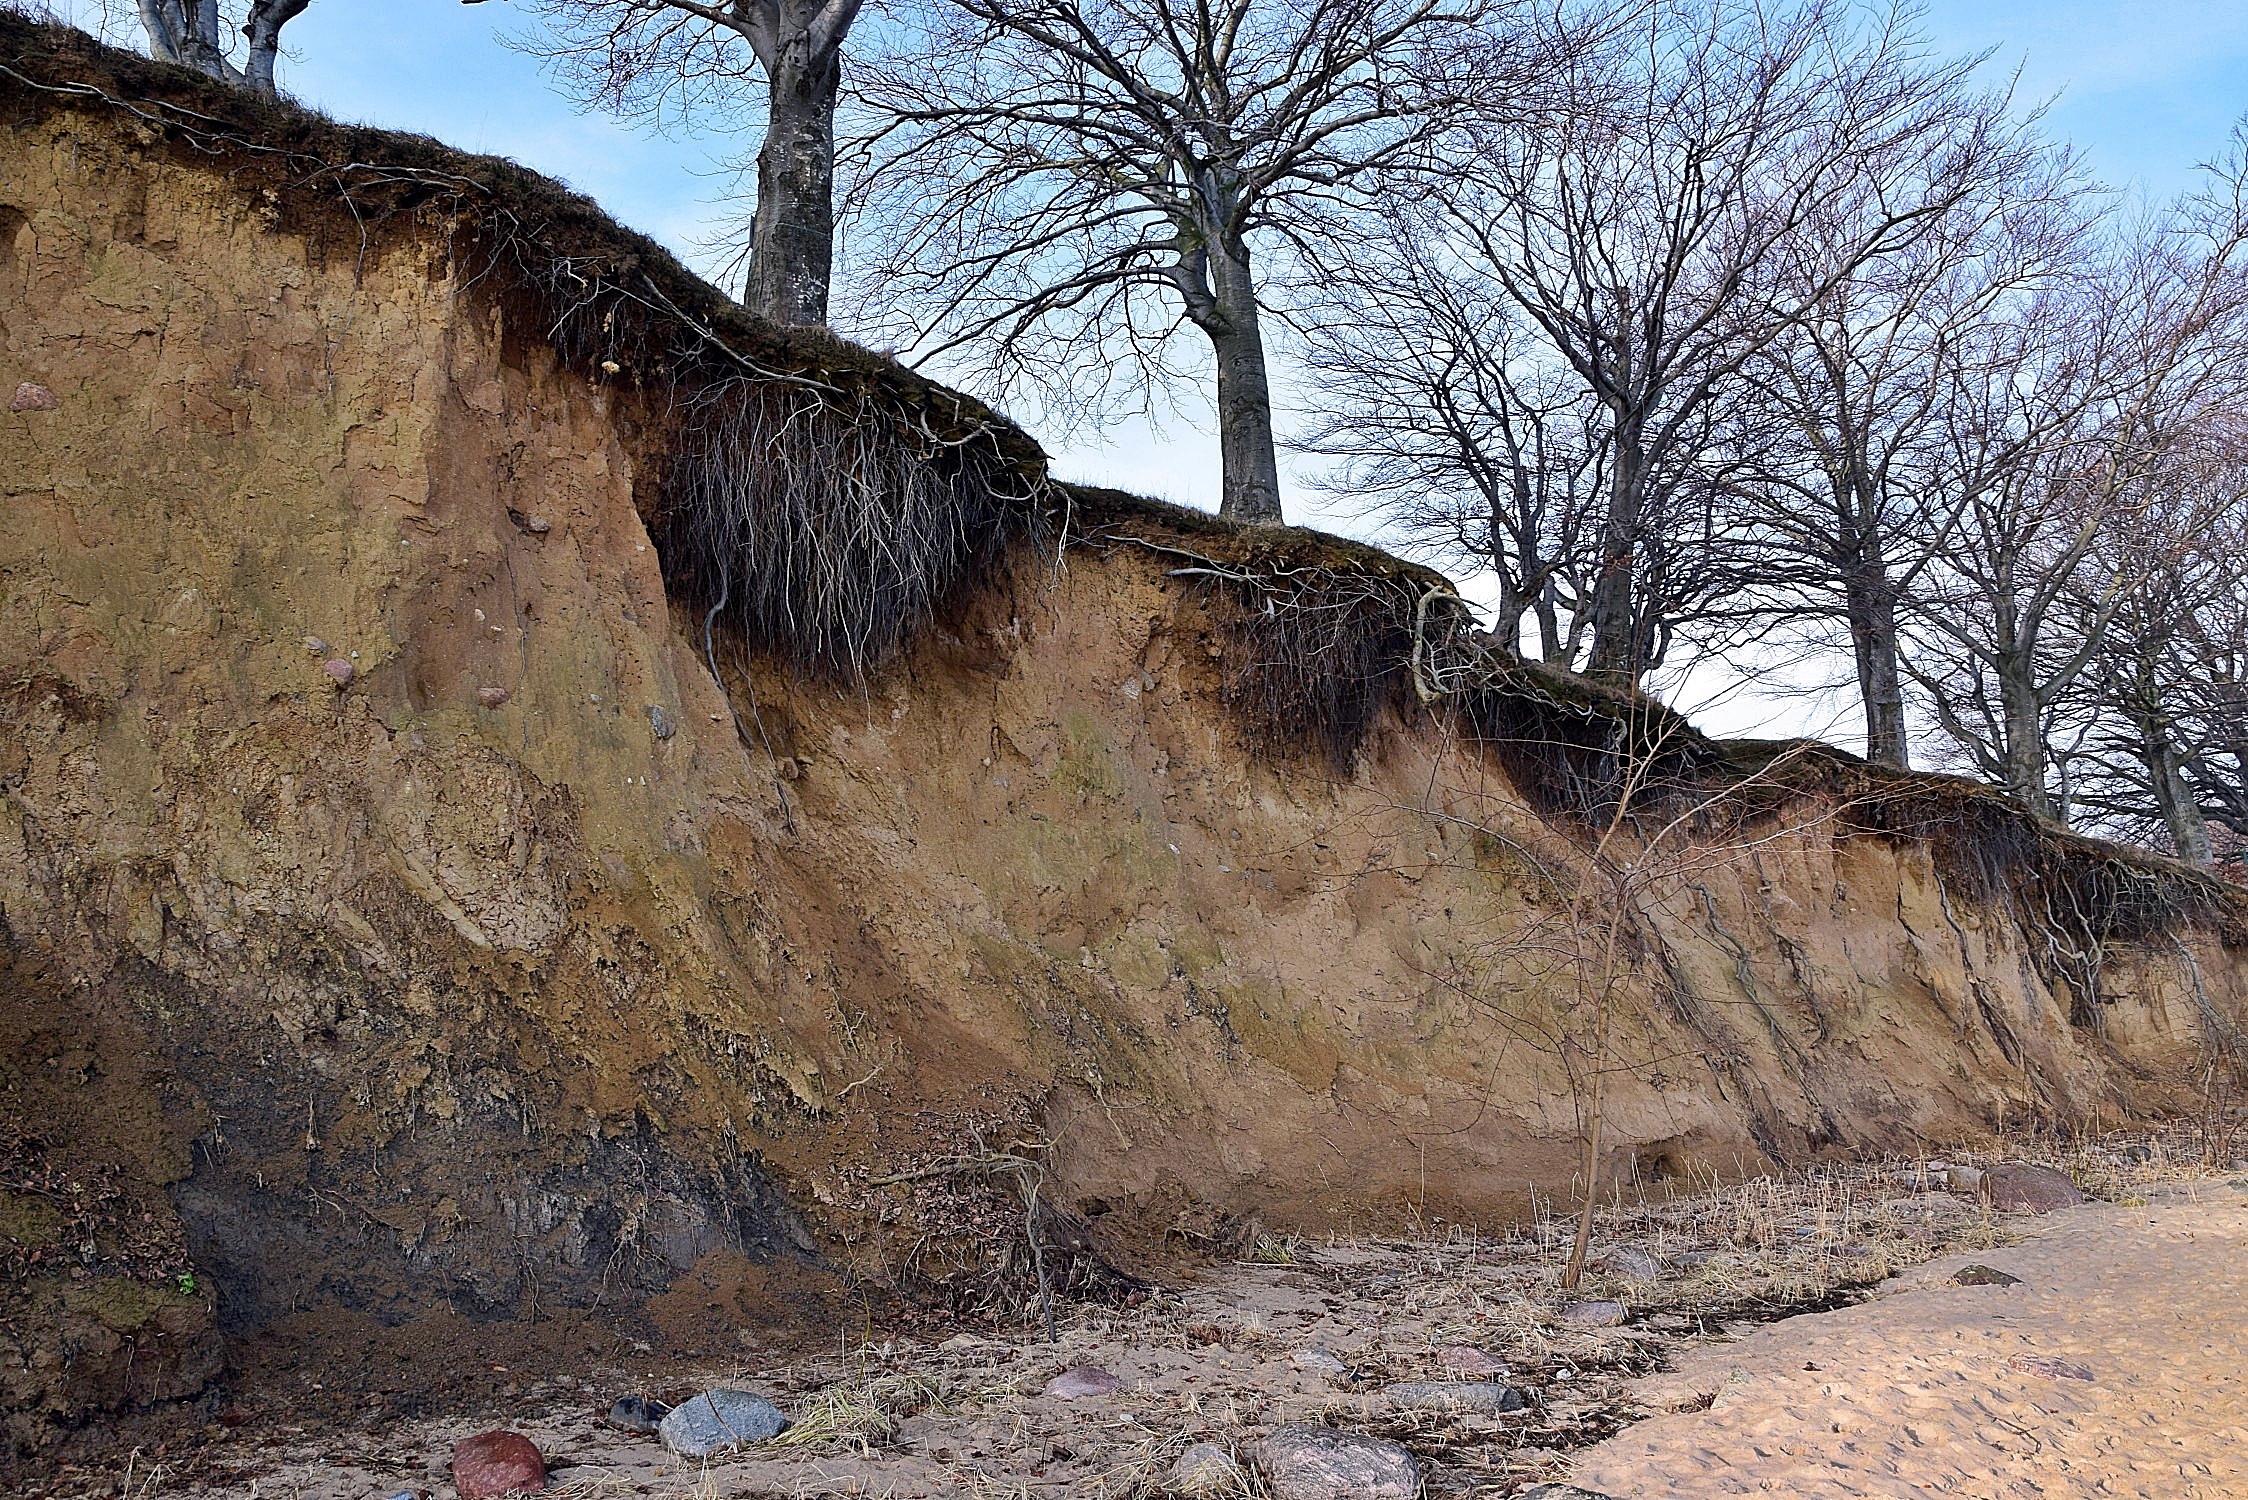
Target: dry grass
(859, 1417)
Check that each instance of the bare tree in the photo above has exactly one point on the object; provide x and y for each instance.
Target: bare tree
(1652, 220)
(650, 56)
(2073, 428)
(1842, 413)
(195, 34)
(1446, 424)
(1058, 185)
(2161, 698)
(2215, 709)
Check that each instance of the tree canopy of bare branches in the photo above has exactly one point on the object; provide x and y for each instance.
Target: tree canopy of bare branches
(1053, 188)
(1842, 419)
(1652, 221)
(2059, 449)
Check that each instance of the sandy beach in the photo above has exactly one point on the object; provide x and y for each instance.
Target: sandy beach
(2115, 1367)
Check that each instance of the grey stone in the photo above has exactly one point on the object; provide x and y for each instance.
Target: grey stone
(637, 1413)
(1629, 1262)
(1317, 1362)
(1593, 1314)
(1963, 1179)
(1697, 1259)
(1481, 1397)
(1983, 1276)
(2030, 1190)
(32, 396)
(720, 1419)
(1084, 1380)
(660, 722)
(1559, 1492)
(1320, 1463)
(1207, 1469)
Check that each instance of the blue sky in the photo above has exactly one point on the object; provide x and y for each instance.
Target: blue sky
(2146, 91)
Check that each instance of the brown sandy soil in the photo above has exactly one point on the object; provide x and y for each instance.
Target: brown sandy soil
(2136, 1289)
(1938, 1389)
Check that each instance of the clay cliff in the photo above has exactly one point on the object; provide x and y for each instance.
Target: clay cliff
(428, 887)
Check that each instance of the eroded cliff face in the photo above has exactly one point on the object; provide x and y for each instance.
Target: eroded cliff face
(531, 968)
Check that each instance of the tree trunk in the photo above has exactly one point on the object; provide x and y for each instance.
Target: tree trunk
(1245, 443)
(2024, 725)
(187, 32)
(201, 48)
(1872, 608)
(792, 245)
(263, 29)
(2181, 809)
(1615, 630)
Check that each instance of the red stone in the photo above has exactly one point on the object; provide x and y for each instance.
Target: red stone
(31, 396)
(497, 1463)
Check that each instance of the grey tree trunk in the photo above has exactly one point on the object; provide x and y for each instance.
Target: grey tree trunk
(190, 33)
(1250, 458)
(792, 248)
(263, 30)
(1872, 609)
(1615, 632)
(2023, 721)
(2181, 809)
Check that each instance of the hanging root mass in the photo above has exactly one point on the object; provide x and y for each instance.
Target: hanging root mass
(831, 535)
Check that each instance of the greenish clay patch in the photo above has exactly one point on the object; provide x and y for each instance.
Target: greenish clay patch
(1089, 760)
(126, 1305)
(30, 1222)
(1294, 1038)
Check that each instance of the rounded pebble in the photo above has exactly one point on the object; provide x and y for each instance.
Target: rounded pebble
(497, 1463)
(1320, 1463)
(718, 1420)
(1481, 1397)
(1084, 1380)
(1207, 1469)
